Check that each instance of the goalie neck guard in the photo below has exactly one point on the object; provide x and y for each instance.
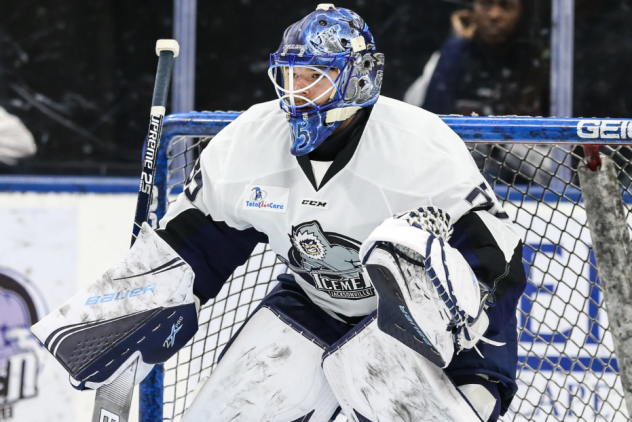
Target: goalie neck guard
(329, 38)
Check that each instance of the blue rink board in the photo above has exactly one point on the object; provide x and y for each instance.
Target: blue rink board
(69, 184)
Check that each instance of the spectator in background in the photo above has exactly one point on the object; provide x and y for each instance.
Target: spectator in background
(16, 141)
(489, 66)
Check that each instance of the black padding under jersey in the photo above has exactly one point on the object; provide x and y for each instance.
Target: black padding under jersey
(498, 362)
(212, 249)
(508, 280)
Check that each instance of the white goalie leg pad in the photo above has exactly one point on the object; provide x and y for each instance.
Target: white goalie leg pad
(143, 307)
(271, 372)
(376, 378)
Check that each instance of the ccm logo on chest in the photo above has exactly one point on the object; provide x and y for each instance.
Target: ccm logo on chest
(315, 203)
(265, 198)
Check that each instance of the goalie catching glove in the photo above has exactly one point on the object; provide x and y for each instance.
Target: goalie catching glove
(142, 308)
(428, 296)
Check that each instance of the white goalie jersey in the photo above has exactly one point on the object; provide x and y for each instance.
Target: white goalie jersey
(253, 189)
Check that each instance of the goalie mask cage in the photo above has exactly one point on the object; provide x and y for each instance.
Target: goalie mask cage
(567, 368)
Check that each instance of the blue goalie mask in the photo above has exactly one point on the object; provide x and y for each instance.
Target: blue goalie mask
(324, 71)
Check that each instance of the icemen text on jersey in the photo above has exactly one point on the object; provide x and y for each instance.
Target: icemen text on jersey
(328, 261)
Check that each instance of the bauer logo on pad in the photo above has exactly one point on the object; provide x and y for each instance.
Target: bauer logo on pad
(265, 198)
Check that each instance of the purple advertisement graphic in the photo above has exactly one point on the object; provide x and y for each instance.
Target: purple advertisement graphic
(21, 355)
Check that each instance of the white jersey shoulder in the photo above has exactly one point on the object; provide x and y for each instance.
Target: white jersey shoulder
(404, 149)
(417, 151)
(238, 151)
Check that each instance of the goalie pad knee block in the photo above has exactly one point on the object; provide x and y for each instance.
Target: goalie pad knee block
(271, 372)
(143, 307)
(377, 378)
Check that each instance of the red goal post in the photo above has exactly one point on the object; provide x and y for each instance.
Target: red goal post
(567, 367)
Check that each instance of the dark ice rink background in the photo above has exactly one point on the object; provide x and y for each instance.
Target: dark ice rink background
(80, 73)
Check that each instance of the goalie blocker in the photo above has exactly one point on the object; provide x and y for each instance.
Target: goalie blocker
(143, 308)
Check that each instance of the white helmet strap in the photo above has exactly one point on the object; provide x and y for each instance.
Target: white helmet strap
(340, 114)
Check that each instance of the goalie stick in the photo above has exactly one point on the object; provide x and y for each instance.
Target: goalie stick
(112, 402)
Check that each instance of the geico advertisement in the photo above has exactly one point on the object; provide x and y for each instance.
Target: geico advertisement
(568, 366)
(38, 253)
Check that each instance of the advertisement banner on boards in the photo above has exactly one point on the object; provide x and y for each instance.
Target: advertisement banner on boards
(38, 253)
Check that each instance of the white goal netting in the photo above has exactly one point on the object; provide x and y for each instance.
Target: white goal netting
(567, 368)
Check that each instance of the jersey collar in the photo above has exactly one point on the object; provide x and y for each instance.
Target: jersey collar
(351, 136)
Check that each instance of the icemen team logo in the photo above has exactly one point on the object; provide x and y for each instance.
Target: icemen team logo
(329, 261)
(266, 198)
(21, 354)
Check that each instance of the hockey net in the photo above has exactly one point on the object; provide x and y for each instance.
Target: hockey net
(567, 367)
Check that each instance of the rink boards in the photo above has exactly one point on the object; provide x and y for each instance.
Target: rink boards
(50, 236)
(567, 361)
